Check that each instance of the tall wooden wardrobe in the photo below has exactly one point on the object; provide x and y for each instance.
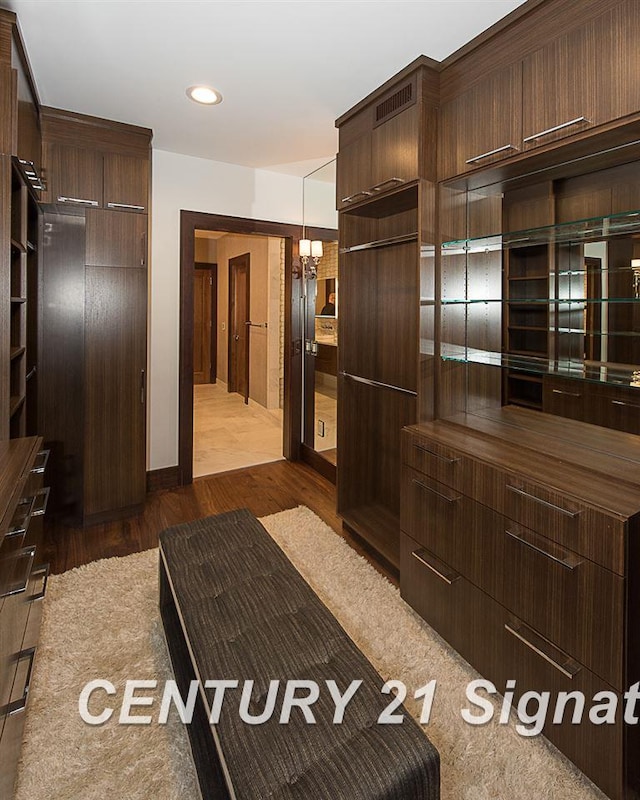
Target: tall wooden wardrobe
(94, 322)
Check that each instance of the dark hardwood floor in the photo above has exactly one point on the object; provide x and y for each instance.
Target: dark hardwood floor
(264, 489)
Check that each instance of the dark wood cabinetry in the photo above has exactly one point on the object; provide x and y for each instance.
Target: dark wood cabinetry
(91, 178)
(95, 266)
(482, 125)
(115, 389)
(518, 561)
(116, 239)
(389, 138)
(23, 582)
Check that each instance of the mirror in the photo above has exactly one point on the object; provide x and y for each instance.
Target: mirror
(321, 315)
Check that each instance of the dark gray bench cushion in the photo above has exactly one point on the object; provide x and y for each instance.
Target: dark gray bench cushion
(249, 615)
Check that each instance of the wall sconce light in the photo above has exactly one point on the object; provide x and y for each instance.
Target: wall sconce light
(310, 250)
(635, 266)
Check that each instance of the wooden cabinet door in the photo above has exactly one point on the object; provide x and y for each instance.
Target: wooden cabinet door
(354, 176)
(74, 175)
(565, 86)
(126, 182)
(483, 125)
(115, 395)
(620, 34)
(394, 150)
(116, 239)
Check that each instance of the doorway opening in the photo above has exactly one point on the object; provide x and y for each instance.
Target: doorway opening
(238, 350)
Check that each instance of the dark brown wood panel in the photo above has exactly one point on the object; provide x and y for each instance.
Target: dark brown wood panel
(115, 389)
(126, 182)
(116, 239)
(202, 367)
(395, 150)
(74, 175)
(69, 127)
(483, 125)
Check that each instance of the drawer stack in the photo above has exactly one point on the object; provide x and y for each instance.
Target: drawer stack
(528, 582)
(23, 581)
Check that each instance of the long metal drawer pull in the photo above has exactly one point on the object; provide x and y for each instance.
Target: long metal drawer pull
(79, 200)
(17, 706)
(125, 205)
(569, 669)
(546, 503)
(568, 394)
(622, 403)
(437, 455)
(23, 524)
(437, 494)
(350, 198)
(377, 384)
(28, 553)
(555, 128)
(42, 570)
(570, 562)
(378, 187)
(491, 153)
(41, 509)
(448, 576)
(40, 463)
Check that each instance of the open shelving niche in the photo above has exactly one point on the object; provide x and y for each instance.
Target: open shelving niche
(529, 304)
(23, 336)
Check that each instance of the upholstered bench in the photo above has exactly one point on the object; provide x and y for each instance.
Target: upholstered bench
(234, 608)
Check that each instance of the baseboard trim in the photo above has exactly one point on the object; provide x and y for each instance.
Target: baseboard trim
(165, 478)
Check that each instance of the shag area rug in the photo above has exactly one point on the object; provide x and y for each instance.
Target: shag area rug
(102, 621)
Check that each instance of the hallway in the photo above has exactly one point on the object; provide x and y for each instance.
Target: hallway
(228, 435)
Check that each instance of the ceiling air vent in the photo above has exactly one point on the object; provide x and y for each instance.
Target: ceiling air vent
(405, 96)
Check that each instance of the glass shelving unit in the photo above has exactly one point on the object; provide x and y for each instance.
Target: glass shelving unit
(543, 307)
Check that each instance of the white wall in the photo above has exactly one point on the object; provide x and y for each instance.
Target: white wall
(194, 184)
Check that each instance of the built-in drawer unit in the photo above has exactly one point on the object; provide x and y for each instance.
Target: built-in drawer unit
(23, 581)
(530, 574)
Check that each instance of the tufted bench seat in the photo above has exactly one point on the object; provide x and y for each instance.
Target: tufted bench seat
(234, 607)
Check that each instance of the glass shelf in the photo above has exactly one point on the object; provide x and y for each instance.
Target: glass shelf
(593, 372)
(526, 301)
(584, 230)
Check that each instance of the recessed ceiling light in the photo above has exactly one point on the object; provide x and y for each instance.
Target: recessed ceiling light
(205, 95)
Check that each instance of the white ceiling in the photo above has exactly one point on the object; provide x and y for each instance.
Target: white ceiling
(286, 68)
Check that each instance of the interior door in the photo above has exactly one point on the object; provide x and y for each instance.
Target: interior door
(202, 286)
(239, 317)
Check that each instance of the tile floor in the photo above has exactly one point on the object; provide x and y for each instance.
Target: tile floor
(229, 435)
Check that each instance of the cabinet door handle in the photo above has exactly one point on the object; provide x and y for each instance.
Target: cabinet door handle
(79, 200)
(569, 561)
(352, 197)
(40, 462)
(126, 206)
(434, 491)
(622, 403)
(21, 525)
(555, 128)
(44, 571)
(143, 385)
(438, 568)
(143, 254)
(568, 667)
(546, 503)
(567, 394)
(436, 455)
(393, 181)
(16, 706)
(491, 153)
(40, 509)
(29, 553)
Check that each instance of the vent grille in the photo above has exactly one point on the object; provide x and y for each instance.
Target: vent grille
(393, 104)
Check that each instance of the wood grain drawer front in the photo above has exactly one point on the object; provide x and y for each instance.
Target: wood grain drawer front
(535, 664)
(572, 601)
(433, 514)
(462, 614)
(583, 529)
(438, 462)
(126, 183)
(11, 739)
(74, 175)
